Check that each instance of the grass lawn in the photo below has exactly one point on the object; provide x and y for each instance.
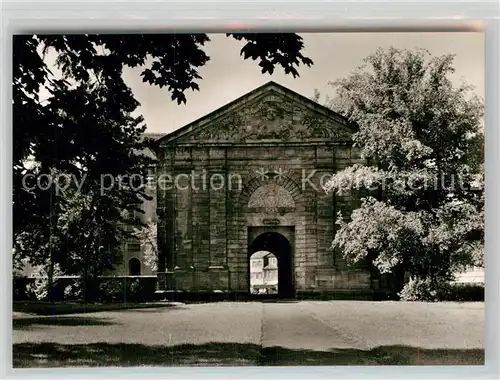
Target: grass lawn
(229, 354)
(61, 308)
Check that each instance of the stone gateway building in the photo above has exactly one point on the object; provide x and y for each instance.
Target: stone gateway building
(246, 178)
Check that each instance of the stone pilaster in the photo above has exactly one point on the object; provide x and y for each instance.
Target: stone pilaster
(165, 228)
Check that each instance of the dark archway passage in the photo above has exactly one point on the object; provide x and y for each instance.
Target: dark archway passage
(134, 267)
(280, 247)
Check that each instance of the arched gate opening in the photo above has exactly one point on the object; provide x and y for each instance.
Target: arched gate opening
(279, 246)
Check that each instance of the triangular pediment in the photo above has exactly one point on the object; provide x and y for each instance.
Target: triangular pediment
(270, 112)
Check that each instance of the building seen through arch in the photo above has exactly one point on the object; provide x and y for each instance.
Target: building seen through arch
(263, 273)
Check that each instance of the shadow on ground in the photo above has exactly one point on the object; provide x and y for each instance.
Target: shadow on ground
(47, 308)
(152, 310)
(229, 354)
(30, 322)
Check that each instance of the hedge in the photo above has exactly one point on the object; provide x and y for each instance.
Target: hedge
(105, 289)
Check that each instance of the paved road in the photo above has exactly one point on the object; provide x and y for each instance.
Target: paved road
(319, 326)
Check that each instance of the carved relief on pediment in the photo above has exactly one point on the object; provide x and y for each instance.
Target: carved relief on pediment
(271, 117)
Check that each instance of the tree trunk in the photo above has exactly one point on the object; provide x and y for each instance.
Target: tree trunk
(50, 290)
(398, 281)
(89, 215)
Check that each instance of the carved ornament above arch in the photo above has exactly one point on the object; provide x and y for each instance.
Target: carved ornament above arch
(271, 198)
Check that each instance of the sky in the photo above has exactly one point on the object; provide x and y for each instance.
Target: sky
(228, 76)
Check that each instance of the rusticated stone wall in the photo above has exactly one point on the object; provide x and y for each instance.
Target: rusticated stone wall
(206, 214)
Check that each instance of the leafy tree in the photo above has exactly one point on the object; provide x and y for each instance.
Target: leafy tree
(76, 207)
(85, 129)
(421, 144)
(316, 96)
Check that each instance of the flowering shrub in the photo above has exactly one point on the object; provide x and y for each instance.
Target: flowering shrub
(39, 287)
(74, 291)
(111, 290)
(417, 289)
(120, 289)
(133, 289)
(147, 238)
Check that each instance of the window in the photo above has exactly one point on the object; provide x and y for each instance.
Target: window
(133, 247)
(134, 267)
